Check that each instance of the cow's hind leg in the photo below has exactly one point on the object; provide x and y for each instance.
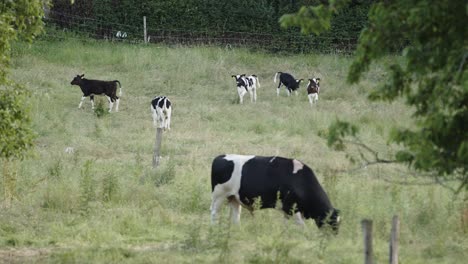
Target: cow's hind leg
(217, 198)
(111, 104)
(117, 101)
(155, 116)
(278, 89)
(168, 118)
(235, 209)
(161, 118)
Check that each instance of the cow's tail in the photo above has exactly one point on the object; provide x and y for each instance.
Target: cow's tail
(120, 86)
(274, 79)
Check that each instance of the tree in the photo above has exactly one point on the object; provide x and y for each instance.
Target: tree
(432, 79)
(18, 19)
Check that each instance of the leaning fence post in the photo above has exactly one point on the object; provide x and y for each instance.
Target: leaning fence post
(157, 147)
(394, 240)
(367, 230)
(144, 30)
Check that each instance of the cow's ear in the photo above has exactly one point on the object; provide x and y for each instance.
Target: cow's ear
(318, 80)
(243, 74)
(81, 76)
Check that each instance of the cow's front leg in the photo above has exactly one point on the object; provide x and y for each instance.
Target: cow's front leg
(310, 99)
(81, 102)
(91, 98)
(241, 91)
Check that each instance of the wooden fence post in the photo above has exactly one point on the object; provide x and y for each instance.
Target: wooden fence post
(394, 240)
(157, 147)
(367, 230)
(144, 30)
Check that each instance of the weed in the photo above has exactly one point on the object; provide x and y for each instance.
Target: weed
(100, 110)
(110, 187)
(54, 171)
(87, 188)
(164, 176)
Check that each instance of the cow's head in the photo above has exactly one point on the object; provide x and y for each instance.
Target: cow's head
(240, 79)
(331, 219)
(77, 80)
(314, 82)
(299, 82)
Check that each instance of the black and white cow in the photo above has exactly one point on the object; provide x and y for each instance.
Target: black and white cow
(161, 108)
(247, 84)
(313, 90)
(242, 179)
(96, 87)
(288, 81)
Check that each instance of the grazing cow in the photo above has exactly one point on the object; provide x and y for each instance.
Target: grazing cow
(313, 90)
(247, 84)
(96, 87)
(242, 179)
(161, 108)
(288, 81)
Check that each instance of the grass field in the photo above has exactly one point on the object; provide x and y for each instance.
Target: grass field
(104, 203)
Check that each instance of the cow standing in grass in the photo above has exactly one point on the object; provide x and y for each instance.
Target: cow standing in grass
(161, 109)
(313, 90)
(288, 81)
(247, 84)
(96, 87)
(243, 179)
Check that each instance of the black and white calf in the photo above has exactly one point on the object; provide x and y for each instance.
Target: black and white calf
(313, 90)
(247, 84)
(288, 81)
(242, 179)
(161, 108)
(96, 87)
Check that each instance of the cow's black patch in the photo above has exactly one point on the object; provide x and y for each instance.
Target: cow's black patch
(289, 81)
(221, 171)
(272, 179)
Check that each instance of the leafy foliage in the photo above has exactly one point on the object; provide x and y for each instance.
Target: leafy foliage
(20, 18)
(432, 78)
(254, 23)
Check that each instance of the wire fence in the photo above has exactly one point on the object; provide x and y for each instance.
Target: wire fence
(84, 27)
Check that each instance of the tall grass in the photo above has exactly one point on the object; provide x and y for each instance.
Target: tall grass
(104, 203)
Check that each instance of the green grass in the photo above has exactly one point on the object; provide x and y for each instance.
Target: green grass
(103, 203)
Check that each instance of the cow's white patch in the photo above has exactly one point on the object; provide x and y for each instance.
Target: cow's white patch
(313, 98)
(117, 105)
(69, 150)
(230, 188)
(297, 165)
(81, 102)
(299, 219)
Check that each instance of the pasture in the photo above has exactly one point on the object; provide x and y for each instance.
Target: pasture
(103, 203)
